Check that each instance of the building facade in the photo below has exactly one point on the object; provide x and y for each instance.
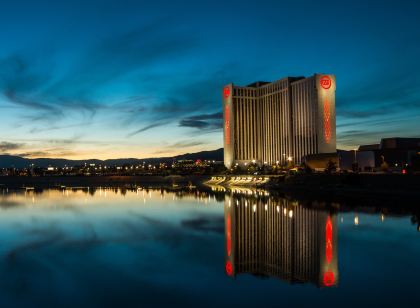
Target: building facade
(269, 123)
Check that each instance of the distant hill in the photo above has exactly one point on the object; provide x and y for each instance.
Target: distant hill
(7, 161)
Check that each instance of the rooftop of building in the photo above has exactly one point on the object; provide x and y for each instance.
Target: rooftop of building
(397, 143)
(369, 147)
(259, 84)
(400, 143)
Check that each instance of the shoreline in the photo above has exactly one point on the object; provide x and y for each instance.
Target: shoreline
(392, 187)
(42, 182)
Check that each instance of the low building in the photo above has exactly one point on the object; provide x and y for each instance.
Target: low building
(356, 160)
(321, 161)
(395, 152)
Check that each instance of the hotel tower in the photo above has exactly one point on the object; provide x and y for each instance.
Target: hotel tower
(273, 122)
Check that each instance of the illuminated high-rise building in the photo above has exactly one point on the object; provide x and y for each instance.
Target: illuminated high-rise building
(273, 122)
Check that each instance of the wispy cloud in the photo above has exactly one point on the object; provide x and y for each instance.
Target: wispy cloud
(146, 128)
(176, 146)
(8, 146)
(185, 144)
(49, 153)
(211, 121)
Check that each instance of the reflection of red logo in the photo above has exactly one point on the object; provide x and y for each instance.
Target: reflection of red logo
(226, 92)
(229, 268)
(328, 240)
(228, 237)
(329, 279)
(325, 82)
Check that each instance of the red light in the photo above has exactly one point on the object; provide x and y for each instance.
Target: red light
(325, 82)
(329, 279)
(226, 92)
(227, 125)
(328, 240)
(228, 237)
(404, 171)
(327, 123)
(229, 268)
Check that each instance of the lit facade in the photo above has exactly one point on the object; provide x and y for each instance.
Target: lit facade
(279, 121)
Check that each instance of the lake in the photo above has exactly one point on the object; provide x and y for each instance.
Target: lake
(157, 247)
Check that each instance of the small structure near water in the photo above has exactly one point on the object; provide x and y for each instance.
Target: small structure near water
(239, 180)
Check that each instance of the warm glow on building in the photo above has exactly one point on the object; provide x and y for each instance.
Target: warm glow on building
(281, 121)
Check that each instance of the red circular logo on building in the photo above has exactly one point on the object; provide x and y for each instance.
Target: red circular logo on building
(226, 92)
(325, 82)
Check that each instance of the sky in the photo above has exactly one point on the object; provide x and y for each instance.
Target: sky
(118, 79)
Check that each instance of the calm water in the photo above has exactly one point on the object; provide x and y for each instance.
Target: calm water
(139, 248)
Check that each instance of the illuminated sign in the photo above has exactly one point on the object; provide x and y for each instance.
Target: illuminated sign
(325, 82)
(227, 125)
(226, 92)
(327, 120)
(326, 86)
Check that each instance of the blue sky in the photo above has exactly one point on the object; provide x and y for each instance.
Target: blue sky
(107, 79)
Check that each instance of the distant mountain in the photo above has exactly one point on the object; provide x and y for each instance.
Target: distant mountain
(7, 161)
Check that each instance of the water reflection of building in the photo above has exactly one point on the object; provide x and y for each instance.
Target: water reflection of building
(282, 239)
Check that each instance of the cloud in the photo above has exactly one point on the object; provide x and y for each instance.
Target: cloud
(46, 97)
(188, 102)
(211, 121)
(185, 144)
(174, 147)
(360, 114)
(386, 104)
(49, 153)
(122, 58)
(24, 84)
(145, 128)
(65, 141)
(7, 146)
(129, 53)
(58, 127)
